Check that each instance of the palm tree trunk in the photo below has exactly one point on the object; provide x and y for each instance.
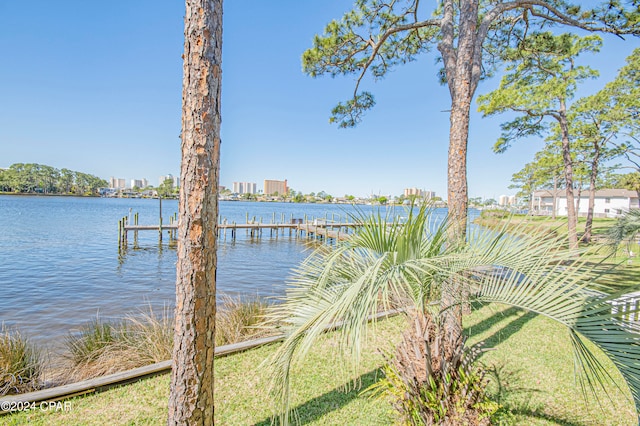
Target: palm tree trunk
(191, 398)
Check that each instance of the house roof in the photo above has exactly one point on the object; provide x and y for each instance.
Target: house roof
(601, 193)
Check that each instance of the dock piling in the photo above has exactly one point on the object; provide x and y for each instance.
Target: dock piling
(326, 231)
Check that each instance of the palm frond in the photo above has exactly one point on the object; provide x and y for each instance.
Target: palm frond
(393, 259)
(349, 283)
(563, 290)
(626, 228)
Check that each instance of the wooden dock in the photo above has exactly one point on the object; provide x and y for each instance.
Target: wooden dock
(322, 229)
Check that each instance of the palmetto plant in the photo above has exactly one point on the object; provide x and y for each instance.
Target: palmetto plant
(406, 262)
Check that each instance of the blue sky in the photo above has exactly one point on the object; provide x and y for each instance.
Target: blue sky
(96, 87)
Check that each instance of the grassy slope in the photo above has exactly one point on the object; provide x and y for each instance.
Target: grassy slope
(559, 224)
(531, 356)
(627, 270)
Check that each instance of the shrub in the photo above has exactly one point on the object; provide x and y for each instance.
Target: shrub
(21, 363)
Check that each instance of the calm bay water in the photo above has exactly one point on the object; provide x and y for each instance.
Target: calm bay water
(60, 265)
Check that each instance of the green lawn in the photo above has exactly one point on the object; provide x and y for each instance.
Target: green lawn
(535, 367)
(241, 398)
(556, 226)
(624, 271)
(531, 360)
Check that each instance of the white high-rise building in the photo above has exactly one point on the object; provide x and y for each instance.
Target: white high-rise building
(117, 183)
(250, 187)
(245, 187)
(507, 200)
(139, 183)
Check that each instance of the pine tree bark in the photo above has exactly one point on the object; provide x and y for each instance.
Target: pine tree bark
(572, 219)
(452, 293)
(191, 398)
(462, 69)
(457, 192)
(595, 165)
(555, 197)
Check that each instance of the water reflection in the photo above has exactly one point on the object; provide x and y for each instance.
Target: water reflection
(60, 265)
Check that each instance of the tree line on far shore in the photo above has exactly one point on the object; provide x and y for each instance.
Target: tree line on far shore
(31, 178)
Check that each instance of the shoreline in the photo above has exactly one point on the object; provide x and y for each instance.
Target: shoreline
(35, 194)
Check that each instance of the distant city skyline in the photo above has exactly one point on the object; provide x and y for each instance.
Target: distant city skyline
(251, 187)
(105, 99)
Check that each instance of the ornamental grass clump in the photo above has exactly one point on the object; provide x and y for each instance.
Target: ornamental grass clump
(90, 341)
(21, 364)
(150, 336)
(105, 347)
(94, 350)
(240, 319)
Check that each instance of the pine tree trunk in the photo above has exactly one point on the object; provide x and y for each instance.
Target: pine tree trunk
(578, 198)
(555, 197)
(457, 192)
(592, 193)
(191, 397)
(533, 190)
(462, 78)
(568, 177)
(451, 297)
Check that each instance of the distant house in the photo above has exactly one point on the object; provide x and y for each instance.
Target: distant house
(608, 202)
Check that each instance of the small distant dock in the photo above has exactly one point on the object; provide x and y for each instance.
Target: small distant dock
(311, 228)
